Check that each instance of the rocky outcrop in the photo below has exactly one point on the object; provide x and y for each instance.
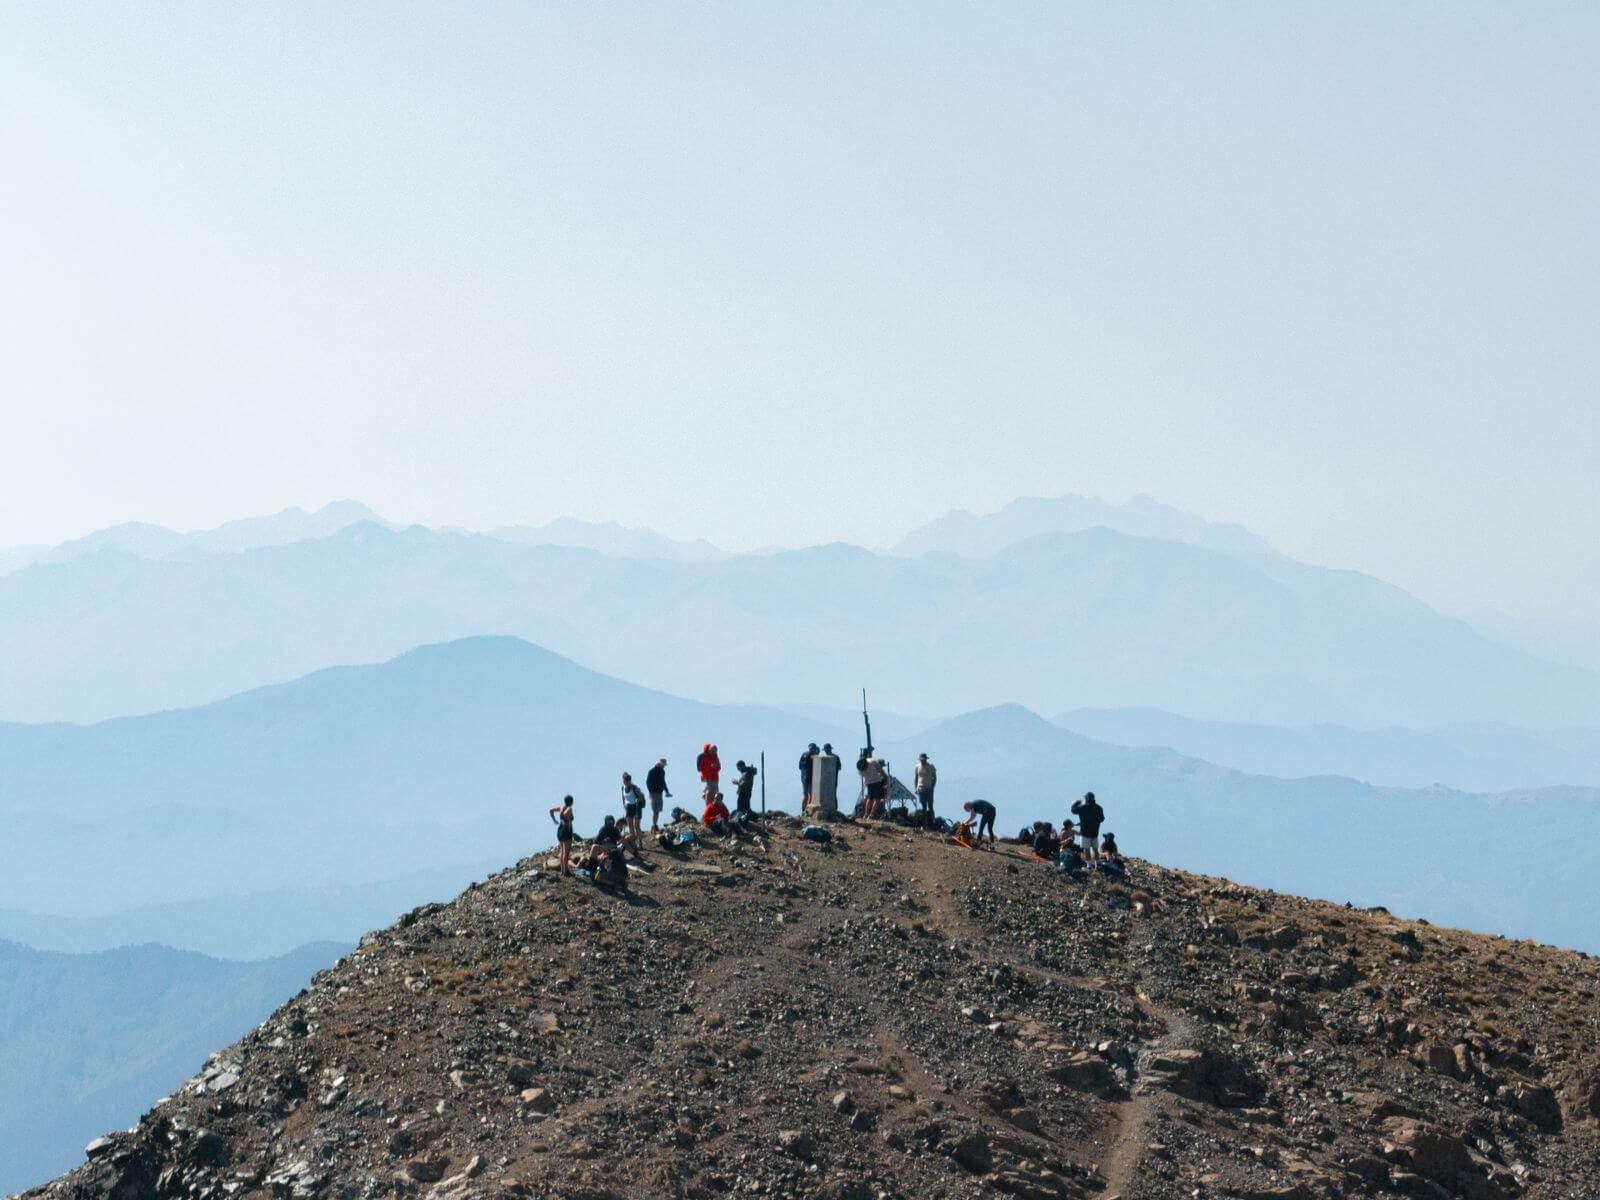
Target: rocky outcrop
(889, 1017)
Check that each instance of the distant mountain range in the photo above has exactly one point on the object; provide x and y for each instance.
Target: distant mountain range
(971, 535)
(1476, 758)
(608, 537)
(439, 760)
(88, 1042)
(1091, 618)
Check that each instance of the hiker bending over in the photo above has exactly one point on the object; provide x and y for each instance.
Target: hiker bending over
(984, 813)
(632, 804)
(716, 817)
(655, 782)
(561, 814)
(1090, 815)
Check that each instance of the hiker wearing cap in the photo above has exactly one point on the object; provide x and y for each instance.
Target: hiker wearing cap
(744, 788)
(655, 782)
(923, 781)
(710, 768)
(1090, 815)
(806, 758)
(985, 812)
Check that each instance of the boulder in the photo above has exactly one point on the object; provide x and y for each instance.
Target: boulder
(797, 1144)
(1085, 1072)
(426, 1169)
(1582, 1094)
(1440, 1159)
(972, 1152)
(1533, 1102)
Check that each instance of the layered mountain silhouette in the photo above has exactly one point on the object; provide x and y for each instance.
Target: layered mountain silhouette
(974, 535)
(1095, 618)
(439, 759)
(1481, 757)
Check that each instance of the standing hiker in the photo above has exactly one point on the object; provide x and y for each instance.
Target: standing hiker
(632, 804)
(745, 787)
(806, 759)
(1090, 815)
(827, 782)
(985, 813)
(655, 782)
(561, 814)
(923, 780)
(710, 768)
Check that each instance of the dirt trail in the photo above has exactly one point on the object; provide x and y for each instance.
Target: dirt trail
(1135, 1116)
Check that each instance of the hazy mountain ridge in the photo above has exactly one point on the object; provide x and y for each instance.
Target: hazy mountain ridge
(1472, 757)
(611, 538)
(1054, 622)
(89, 1041)
(444, 755)
(973, 535)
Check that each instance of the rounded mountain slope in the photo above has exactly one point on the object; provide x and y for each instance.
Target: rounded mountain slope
(894, 1016)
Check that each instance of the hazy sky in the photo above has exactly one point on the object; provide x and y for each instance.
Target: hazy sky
(793, 273)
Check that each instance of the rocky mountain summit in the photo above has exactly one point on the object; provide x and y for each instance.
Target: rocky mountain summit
(893, 1016)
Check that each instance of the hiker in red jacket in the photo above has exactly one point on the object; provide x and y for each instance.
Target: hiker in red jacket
(716, 816)
(710, 768)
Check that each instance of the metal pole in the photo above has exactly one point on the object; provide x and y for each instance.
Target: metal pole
(763, 783)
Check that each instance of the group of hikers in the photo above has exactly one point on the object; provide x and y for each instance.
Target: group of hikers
(609, 851)
(1075, 850)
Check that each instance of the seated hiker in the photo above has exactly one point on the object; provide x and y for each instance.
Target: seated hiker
(962, 832)
(984, 813)
(1045, 842)
(1070, 861)
(716, 817)
(1109, 862)
(604, 859)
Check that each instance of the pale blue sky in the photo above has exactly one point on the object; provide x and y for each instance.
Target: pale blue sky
(790, 274)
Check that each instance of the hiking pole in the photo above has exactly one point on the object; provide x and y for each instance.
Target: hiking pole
(763, 783)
